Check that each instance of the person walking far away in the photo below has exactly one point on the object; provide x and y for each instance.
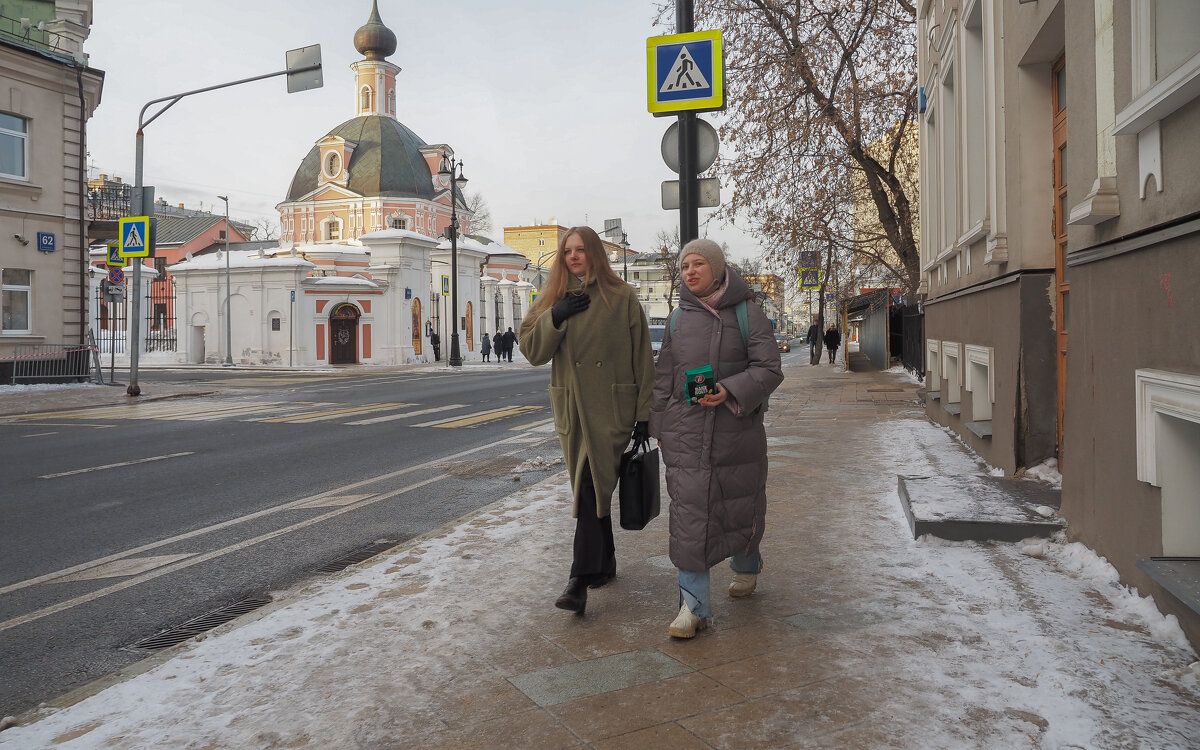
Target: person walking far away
(814, 341)
(485, 347)
(714, 446)
(498, 346)
(510, 342)
(589, 325)
(833, 340)
(436, 342)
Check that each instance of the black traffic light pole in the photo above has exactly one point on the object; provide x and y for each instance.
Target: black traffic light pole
(689, 222)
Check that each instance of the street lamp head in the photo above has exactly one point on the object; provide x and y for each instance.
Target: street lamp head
(444, 164)
(224, 198)
(460, 180)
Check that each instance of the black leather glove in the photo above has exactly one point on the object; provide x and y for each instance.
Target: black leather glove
(641, 432)
(569, 305)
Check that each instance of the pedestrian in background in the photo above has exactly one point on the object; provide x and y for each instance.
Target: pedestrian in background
(715, 449)
(814, 341)
(589, 325)
(498, 346)
(485, 347)
(510, 343)
(833, 340)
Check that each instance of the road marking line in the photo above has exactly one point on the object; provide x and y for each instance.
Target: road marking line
(419, 413)
(335, 413)
(514, 440)
(114, 466)
(129, 566)
(197, 559)
(478, 417)
(531, 425)
(40, 434)
(68, 424)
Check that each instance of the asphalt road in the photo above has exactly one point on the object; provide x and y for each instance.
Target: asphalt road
(120, 522)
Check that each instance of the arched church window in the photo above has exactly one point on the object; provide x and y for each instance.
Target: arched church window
(397, 221)
(365, 99)
(392, 101)
(333, 229)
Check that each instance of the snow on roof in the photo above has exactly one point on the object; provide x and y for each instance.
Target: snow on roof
(400, 234)
(248, 259)
(330, 248)
(340, 281)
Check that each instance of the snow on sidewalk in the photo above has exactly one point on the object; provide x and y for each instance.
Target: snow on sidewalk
(1038, 642)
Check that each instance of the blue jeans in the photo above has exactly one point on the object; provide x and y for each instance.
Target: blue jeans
(693, 584)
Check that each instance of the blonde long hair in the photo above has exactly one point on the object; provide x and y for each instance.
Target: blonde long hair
(555, 287)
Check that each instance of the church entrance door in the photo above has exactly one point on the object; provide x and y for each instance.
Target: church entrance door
(343, 334)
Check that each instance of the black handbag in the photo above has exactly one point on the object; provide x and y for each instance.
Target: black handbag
(639, 486)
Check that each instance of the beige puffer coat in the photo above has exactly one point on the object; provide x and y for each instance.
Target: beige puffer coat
(601, 381)
(716, 460)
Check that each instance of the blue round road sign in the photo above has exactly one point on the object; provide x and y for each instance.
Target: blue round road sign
(116, 276)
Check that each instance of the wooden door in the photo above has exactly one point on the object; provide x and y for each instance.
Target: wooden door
(1062, 287)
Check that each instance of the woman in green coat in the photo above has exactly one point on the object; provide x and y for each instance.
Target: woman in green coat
(589, 324)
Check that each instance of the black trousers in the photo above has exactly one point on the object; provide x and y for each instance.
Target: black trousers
(595, 554)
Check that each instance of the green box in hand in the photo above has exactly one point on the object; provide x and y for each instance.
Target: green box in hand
(699, 383)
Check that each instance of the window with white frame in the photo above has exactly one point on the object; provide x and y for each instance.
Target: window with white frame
(333, 229)
(931, 169)
(948, 189)
(933, 378)
(1168, 453)
(16, 291)
(364, 99)
(1166, 62)
(14, 146)
(979, 382)
(974, 145)
(952, 372)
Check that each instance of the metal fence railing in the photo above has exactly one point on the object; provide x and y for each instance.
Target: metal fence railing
(46, 363)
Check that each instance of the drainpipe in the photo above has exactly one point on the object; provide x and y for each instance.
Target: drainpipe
(83, 234)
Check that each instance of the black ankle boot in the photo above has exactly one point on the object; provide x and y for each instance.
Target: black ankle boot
(574, 596)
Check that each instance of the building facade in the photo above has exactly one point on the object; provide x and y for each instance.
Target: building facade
(48, 94)
(1061, 261)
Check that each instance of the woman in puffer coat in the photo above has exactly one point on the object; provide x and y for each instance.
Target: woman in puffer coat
(589, 323)
(715, 450)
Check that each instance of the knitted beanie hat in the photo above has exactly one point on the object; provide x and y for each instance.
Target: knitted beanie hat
(711, 252)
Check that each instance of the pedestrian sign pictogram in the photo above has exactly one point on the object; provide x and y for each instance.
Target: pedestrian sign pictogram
(134, 236)
(114, 255)
(685, 73)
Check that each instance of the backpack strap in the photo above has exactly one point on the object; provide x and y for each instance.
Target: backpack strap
(671, 321)
(743, 322)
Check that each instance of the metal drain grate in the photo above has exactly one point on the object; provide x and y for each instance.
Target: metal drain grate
(357, 556)
(201, 624)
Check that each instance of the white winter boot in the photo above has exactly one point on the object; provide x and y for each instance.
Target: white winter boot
(686, 624)
(743, 584)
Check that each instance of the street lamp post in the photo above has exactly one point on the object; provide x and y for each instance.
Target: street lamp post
(228, 291)
(625, 255)
(452, 168)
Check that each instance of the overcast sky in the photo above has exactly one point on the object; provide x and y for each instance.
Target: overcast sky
(543, 100)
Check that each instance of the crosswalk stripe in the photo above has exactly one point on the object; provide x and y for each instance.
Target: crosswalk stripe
(479, 418)
(405, 415)
(531, 425)
(334, 414)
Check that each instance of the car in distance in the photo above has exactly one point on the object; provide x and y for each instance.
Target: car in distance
(656, 338)
(784, 343)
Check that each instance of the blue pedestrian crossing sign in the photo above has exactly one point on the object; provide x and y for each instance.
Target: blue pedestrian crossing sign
(115, 258)
(134, 236)
(685, 73)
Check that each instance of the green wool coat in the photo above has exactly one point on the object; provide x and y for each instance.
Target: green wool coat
(601, 381)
